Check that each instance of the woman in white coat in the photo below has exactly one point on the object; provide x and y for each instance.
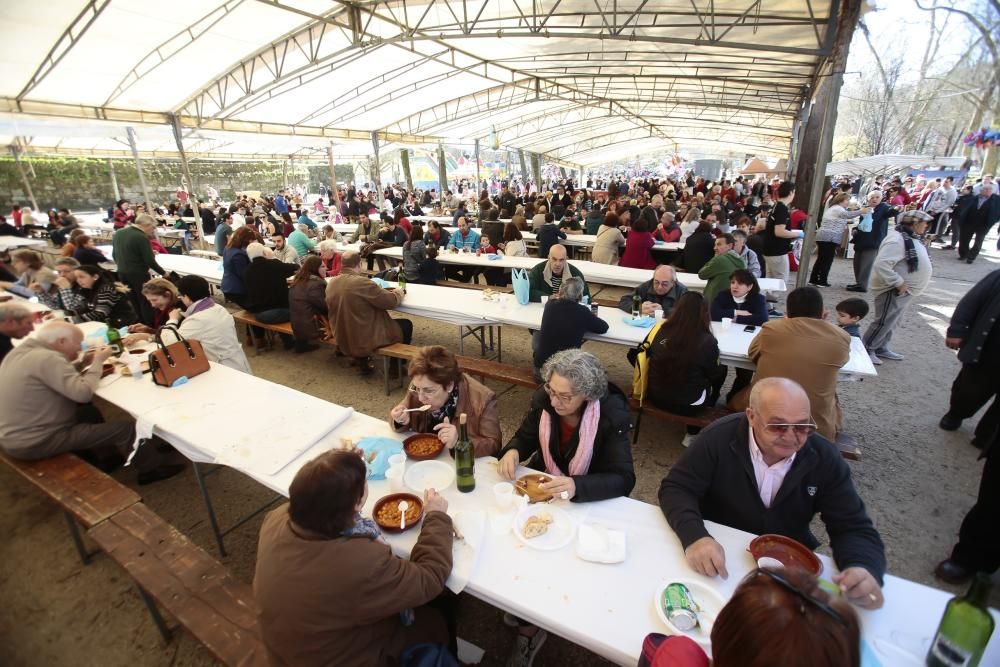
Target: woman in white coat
(205, 321)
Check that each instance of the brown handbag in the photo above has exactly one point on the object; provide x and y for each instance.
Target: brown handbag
(185, 358)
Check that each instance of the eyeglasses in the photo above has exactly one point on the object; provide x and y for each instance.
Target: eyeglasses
(562, 398)
(803, 596)
(799, 429)
(663, 283)
(423, 391)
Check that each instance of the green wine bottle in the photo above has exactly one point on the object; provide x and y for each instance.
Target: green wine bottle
(965, 628)
(115, 341)
(465, 458)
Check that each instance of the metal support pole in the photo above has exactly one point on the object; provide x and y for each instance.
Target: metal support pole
(442, 173)
(291, 163)
(536, 170)
(138, 165)
(333, 176)
(478, 180)
(114, 179)
(74, 532)
(377, 176)
(284, 175)
(404, 159)
(179, 139)
(213, 522)
(24, 177)
(524, 168)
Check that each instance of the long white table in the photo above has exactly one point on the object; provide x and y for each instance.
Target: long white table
(11, 242)
(469, 308)
(607, 609)
(209, 269)
(593, 272)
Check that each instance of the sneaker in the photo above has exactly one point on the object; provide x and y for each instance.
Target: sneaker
(875, 359)
(949, 423)
(886, 353)
(525, 649)
(856, 288)
(510, 620)
(688, 439)
(775, 314)
(163, 472)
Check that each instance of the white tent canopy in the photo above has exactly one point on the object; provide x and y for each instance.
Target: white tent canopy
(884, 164)
(577, 81)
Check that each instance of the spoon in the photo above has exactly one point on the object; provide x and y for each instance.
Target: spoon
(422, 408)
(403, 506)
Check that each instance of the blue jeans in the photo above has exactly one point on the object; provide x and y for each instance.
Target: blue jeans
(277, 316)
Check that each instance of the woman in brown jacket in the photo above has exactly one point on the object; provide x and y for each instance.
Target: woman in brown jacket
(306, 302)
(435, 380)
(329, 589)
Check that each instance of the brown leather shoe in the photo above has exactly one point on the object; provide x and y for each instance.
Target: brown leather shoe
(951, 572)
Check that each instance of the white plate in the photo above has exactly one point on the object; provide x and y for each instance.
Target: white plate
(422, 475)
(559, 534)
(706, 598)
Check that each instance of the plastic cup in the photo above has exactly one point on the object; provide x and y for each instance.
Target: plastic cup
(658, 313)
(397, 460)
(504, 493)
(394, 475)
(520, 502)
(545, 300)
(726, 323)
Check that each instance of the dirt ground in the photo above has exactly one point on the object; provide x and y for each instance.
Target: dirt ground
(916, 480)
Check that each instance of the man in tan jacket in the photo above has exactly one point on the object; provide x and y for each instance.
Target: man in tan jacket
(803, 347)
(358, 314)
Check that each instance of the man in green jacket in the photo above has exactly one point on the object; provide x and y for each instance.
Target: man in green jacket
(546, 277)
(134, 256)
(719, 269)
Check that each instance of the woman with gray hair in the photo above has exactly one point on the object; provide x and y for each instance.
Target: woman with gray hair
(565, 321)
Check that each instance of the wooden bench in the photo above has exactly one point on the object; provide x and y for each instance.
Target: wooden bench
(207, 254)
(845, 443)
(482, 368)
(85, 495)
(173, 572)
(247, 318)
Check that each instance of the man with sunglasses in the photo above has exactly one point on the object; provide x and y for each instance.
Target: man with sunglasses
(769, 471)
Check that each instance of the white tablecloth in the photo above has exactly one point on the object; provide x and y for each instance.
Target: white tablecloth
(11, 242)
(185, 265)
(593, 272)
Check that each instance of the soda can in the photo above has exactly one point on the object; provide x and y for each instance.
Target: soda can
(679, 607)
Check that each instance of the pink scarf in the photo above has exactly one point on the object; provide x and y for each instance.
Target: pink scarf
(580, 463)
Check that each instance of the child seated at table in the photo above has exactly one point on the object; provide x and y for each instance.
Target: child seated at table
(850, 312)
(430, 269)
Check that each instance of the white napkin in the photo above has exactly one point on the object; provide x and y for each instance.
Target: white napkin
(465, 553)
(599, 544)
(143, 431)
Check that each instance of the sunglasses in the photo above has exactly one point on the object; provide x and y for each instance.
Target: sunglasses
(803, 596)
(798, 429)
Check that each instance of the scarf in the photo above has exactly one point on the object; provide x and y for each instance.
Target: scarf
(446, 410)
(363, 527)
(580, 463)
(910, 249)
(199, 305)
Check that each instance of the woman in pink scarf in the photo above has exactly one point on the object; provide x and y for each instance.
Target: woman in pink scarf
(577, 431)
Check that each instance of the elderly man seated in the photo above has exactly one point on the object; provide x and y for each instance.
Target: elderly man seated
(45, 404)
(546, 277)
(769, 471)
(806, 348)
(359, 317)
(16, 321)
(662, 291)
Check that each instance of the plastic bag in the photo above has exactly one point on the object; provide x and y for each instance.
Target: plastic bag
(866, 223)
(376, 454)
(643, 322)
(522, 287)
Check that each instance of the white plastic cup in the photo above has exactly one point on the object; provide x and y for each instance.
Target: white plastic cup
(504, 493)
(545, 300)
(397, 460)
(726, 323)
(134, 365)
(395, 477)
(520, 502)
(658, 313)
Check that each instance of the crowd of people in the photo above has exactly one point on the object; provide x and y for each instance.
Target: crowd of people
(283, 266)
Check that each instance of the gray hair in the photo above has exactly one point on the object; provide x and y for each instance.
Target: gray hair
(302, 227)
(572, 289)
(327, 245)
(582, 369)
(255, 250)
(53, 331)
(739, 234)
(13, 312)
(67, 261)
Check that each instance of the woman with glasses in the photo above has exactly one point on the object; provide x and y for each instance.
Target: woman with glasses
(577, 432)
(436, 381)
(684, 373)
(775, 617)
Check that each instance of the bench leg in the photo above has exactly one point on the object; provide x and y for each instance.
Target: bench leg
(385, 373)
(499, 344)
(211, 510)
(638, 420)
(161, 625)
(74, 532)
(253, 340)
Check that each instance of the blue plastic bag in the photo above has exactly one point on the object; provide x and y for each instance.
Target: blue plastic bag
(866, 223)
(379, 450)
(381, 283)
(643, 322)
(522, 287)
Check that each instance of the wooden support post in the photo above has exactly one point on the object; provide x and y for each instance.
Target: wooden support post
(478, 179)
(24, 177)
(192, 190)
(130, 132)
(524, 169)
(114, 179)
(335, 194)
(442, 174)
(377, 176)
(404, 159)
(536, 170)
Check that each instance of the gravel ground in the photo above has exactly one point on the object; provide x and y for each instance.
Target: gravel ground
(917, 481)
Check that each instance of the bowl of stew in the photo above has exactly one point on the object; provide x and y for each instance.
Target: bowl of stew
(386, 512)
(422, 446)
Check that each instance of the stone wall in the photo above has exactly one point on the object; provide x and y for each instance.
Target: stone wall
(85, 183)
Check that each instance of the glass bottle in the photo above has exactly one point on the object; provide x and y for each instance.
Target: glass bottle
(115, 341)
(965, 628)
(636, 306)
(465, 458)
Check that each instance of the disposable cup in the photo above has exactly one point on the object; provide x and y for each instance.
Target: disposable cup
(658, 313)
(545, 300)
(504, 493)
(726, 323)
(397, 460)
(395, 477)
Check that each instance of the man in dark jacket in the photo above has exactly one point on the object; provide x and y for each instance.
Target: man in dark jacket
(975, 332)
(768, 471)
(975, 218)
(545, 278)
(134, 256)
(266, 280)
(662, 291)
(565, 321)
(866, 243)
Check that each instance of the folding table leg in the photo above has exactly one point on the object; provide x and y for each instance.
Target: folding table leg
(253, 340)
(499, 343)
(385, 373)
(211, 511)
(74, 532)
(161, 625)
(635, 432)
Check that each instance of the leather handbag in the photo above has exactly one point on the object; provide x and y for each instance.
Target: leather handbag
(185, 358)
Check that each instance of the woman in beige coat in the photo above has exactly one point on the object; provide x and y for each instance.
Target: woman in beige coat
(329, 589)
(609, 240)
